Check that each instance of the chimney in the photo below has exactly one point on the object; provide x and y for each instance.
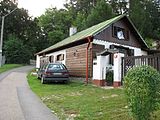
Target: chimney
(72, 30)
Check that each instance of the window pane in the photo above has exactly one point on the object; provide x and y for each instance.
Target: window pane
(55, 67)
(120, 33)
(60, 57)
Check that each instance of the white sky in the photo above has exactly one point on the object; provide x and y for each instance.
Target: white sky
(37, 7)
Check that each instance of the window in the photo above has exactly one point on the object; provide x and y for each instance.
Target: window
(120, 33)
(56, 67)
(60, 57)
(51, 58)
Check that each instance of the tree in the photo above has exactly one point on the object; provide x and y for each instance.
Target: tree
(21, 25)
(79, 22)
(119, 6)
(154, 13)
(35, 37)
(79, 10)
(147, 20)
(101, 12)
(80, 6)
(55, 25)
(139, 19)
(15, 23)
(16, 51)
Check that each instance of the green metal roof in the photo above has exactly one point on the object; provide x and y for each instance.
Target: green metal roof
(83, 34)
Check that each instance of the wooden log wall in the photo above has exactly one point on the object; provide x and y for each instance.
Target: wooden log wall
(97, 49)
(76, 60)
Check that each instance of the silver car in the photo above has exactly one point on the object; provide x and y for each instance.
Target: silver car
(53, 72)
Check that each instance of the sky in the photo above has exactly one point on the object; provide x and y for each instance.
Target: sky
(37, 7)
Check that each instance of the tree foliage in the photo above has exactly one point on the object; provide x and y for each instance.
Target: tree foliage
(85, 13)
(53, 26)
(142, 88)
(119, 6)
(80, 6)
(101, 12)
(141, 20)
(26, 29)
(16, 51)
(79, 10)
(145, 15)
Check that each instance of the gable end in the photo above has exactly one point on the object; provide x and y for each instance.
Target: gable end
(128, 34)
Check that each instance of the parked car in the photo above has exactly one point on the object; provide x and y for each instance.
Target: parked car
(53, 72)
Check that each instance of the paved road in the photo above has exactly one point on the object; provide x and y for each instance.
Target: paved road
(17, 101)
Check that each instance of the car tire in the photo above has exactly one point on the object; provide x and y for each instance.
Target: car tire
(38, 77)
(65, 81)
(43, 81)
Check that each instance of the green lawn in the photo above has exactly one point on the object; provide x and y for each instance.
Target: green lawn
(75, 100)
(8, 67)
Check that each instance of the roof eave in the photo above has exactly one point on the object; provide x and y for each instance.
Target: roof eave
(43, 51)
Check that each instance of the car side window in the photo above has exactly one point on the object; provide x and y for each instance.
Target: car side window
(64, 67)
(43, 67)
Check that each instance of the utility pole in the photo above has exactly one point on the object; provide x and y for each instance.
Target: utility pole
(2, 28)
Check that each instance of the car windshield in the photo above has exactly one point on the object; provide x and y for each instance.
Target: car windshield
(56, 67)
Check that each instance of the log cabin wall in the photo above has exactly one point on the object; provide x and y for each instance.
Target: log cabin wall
(97, 49)
(76, 60)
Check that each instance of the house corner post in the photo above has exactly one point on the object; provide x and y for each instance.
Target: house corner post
(117, 69)
(99, 71)
(37, 61)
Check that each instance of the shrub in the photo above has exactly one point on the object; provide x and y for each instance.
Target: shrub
(142, 88)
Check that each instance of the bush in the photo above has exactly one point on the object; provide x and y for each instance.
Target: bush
(142, 88)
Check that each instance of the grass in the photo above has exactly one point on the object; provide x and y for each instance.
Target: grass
(75, 100)
(7, 67)
(79, 102)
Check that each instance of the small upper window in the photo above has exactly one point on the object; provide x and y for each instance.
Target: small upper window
(120, 33)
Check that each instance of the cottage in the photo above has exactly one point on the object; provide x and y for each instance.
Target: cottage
(91, 52)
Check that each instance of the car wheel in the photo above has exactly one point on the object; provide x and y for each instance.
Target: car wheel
(65, 81)
(42, 80)
(38, 76)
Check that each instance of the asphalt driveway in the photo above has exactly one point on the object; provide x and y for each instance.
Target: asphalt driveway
(17, 101)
